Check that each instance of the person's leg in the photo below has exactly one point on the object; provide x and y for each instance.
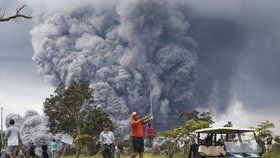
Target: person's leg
(55, 154)
(150, 142)
(106, 151)
(9, 152)
(133, 155)
(135, 146)
(141, 147)
(112, 150)
(141, 155)
(14, 151)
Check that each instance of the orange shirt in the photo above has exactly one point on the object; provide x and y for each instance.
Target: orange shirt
(136, 129)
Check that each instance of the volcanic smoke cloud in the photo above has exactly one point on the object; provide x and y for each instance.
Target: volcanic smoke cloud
(129, 51)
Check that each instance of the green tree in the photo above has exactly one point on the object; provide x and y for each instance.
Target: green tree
(197, 116)
(70, 110)
(206, 117)
(93, 124)
(183, 132)
(263, 131)
(276, 146)
(63, 107)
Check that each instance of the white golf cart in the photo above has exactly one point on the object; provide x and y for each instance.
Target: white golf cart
(226, 142)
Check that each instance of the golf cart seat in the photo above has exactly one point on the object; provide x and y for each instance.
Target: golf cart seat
(203, 150)
(221, 150)
(211, 151)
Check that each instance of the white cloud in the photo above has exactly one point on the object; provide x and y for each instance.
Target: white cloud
(20, 89)
(240, 117)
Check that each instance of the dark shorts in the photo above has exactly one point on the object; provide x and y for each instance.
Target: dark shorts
(32, 154)
(138, 144)
(108, 151)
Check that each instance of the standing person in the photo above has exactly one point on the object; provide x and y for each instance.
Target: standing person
(20, 152)
(12, 137)
(45, 150)
(32, 150)
(137, 134)
(53, 146)
(107, 140)
(4, 152)
(150, 135)
(268, 143)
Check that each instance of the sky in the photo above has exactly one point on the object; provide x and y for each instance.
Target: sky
(21, 88)
(238, 56)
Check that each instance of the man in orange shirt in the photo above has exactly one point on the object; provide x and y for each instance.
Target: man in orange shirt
(137, 133)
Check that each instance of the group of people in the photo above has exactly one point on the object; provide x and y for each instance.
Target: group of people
(108, 142)
(12, 147)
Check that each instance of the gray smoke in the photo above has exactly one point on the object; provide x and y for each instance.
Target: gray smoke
(29, 114)
(128, 51)
(16, 117)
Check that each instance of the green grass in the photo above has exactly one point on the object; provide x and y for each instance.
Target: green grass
(271, 155)
(146, 155)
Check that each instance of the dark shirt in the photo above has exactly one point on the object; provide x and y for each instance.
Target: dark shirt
(44, 148)
(32, 148)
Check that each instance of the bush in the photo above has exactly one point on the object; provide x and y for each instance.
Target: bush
(83, 139)
(275, 148)
(156, 150)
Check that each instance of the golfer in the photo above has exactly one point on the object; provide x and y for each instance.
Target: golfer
(137, 133)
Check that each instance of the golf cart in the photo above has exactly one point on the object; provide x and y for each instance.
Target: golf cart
(225, 142)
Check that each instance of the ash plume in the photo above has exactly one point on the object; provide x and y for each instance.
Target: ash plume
(128, 50)
(16, 117)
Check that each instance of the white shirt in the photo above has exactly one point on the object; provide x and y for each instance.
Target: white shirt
(12, 135)
(106, 137)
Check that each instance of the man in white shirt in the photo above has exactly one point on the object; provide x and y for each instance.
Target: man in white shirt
(12, 137)
(107, 140)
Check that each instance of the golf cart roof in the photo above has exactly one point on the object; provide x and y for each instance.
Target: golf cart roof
(224, 130)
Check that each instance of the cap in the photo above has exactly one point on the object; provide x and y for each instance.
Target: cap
(133, 114)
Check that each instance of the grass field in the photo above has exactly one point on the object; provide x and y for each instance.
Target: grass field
(178, 155)
(146, 155)
(271, 155)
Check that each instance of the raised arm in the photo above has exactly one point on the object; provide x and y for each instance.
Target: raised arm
(144, 119)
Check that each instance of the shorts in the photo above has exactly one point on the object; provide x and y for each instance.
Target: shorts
(149, 142)
(12, 149)
(32, 154)
(108, 151)
(138, 144)
(54, 154)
